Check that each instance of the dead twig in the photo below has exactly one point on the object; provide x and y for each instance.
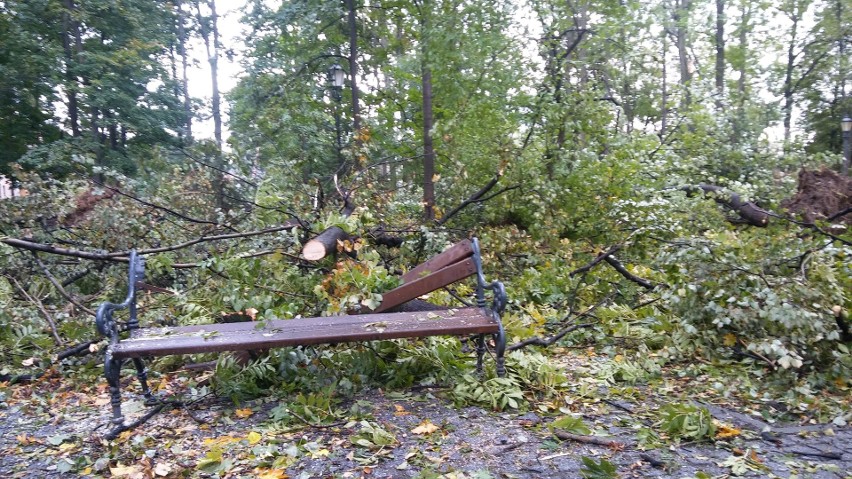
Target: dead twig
(59, 287)
(598, 441)
(537, 341)
(41, 308)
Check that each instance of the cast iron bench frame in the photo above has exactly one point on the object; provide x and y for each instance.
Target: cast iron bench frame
(456, 263)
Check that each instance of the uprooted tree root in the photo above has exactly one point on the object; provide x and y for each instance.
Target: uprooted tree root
(822, 195)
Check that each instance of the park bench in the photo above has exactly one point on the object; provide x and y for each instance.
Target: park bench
(456, 263)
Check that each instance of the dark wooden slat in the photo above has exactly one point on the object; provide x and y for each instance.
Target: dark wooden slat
(454, 253)
(305, 331)
(427, 284)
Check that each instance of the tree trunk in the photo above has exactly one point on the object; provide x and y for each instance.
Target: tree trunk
(788, 78)
(720, 53)
(71, 28)
(428, 147)
(681, 17)
(664, 101)
(213, 58)
(353, 71)
(187, 104)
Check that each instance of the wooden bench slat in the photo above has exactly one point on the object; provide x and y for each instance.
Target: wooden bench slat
(458, 251)
(304, 331)
(427, 284)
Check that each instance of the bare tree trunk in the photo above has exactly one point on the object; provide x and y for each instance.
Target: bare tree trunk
(187, 104)
(353, 71)
(664, 102)
(788, 77)
(741, 66)
(70, 27)
(428, 147)
(213, 58)
(720, 53)
(681, 17)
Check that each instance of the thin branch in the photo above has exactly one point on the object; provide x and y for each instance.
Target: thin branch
(162, 208)
(59, 287)
(537, 341)
(627, 274)
(41, 308)
(122, 256)
(594, 262)
(476, 196)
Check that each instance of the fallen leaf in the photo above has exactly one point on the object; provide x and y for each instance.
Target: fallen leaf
(254, 438)
(124, 471)
(263, 473)
(400, 411)
(163, 469)
(724, 431)
(243, 413)
(425, 427)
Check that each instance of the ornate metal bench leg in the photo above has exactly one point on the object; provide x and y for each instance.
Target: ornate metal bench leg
(112, 370)
(480, 352)
(142, 375)
(500, 351)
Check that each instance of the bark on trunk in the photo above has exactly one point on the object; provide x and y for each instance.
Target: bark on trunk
(428, 147)
(748, 211)
(187, 104)
(681, 17)
(71, 28)
(720, 53)
(353, 71)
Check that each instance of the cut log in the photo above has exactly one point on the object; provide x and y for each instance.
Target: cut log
(324, 243)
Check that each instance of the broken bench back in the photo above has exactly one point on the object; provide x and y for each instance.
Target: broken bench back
(455, 263)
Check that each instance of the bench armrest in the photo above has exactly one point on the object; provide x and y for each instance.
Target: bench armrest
(103, 319)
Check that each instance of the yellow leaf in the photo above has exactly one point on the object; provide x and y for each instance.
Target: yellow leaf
(729, 339)
(400, 411)
(254, 438)
(435, 178)
(263, 473)
(726, 432)
(243, 413)
(425, 427)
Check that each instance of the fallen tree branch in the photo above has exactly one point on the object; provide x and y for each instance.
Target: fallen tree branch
(598, 441)
(839, 214)
(122, 256)
(324, 243)
(747, 210)
(160, 207)
(627, 274)
(473, 198)
(537, 341)
(594, 262)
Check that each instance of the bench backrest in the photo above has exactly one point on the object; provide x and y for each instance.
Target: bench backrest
(454, 264)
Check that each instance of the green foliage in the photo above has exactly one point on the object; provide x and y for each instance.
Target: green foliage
(571, 424)
(598, 470)
(372, 436)
(496, 393)
(685, 421)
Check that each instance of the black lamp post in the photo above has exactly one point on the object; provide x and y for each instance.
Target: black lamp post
(336, 78)
(846, 127)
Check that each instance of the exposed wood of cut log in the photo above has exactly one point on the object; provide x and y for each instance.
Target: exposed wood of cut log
(324, 243)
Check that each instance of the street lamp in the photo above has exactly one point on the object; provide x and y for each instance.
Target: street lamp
(846, 127)
(336, 78)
